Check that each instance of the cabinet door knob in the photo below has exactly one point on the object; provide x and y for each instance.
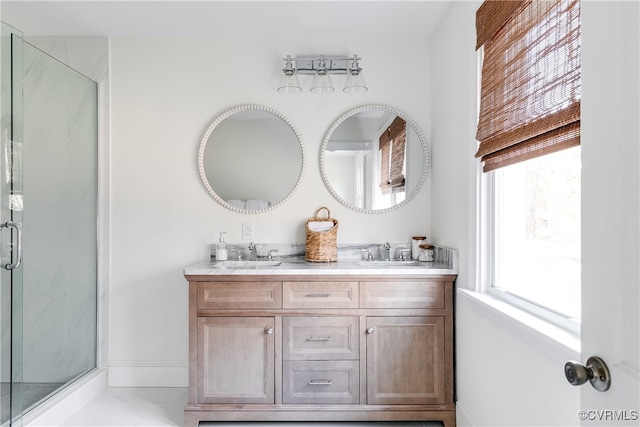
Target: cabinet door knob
(269, 331)
(370, 331)
(596, 372)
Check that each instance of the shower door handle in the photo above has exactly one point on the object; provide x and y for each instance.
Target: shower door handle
(15, 226)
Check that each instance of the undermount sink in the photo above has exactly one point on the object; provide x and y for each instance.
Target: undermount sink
(247, 264)
(390, 263)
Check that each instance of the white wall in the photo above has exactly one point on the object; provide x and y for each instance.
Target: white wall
(453, 174)
(164, 94)
(453, 132)
(507, 373)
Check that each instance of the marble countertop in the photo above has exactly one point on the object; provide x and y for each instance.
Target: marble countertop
(350, 263)
(314, 268)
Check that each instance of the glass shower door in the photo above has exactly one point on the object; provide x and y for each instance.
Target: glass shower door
(60, 155)
(11, 275)
(48, 153)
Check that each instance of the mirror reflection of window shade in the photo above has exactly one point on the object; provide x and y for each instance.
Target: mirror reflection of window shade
(398, 133)
(392, 147)
(385, 162)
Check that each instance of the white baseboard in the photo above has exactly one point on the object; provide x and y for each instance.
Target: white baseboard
(462, 419)
(64, 404)
(143, 374)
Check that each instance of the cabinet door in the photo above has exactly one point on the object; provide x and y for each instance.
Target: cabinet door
(405, 360)
(236, 359)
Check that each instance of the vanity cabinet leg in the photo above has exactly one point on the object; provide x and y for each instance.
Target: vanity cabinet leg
(191, 420)
(449, 419)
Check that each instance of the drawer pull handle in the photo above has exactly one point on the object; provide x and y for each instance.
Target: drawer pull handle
(269, 331)
(319, 338)
(319, 294)
(320, 382)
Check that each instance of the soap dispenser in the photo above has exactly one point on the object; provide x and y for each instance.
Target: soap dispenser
(221, 249)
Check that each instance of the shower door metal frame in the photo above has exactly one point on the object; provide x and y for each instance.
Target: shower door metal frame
(10, 224)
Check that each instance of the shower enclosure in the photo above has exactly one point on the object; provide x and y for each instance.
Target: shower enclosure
(48, 231)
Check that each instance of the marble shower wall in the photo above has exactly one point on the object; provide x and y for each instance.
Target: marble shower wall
(60, 219)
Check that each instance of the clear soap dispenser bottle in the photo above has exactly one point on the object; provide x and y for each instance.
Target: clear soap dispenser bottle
(221, 249)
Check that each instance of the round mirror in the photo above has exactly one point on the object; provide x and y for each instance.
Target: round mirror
(374, 159)
(251, 159)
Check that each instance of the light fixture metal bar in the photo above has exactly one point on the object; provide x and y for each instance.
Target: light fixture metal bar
(309, 64)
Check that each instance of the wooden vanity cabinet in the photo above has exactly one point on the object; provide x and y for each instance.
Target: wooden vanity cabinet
(405, 361)
(244, 348)
(320, 348)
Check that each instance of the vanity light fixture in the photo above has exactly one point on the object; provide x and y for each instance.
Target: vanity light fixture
(355, 80)
(290, 82)
(321, 67)
(322, 80)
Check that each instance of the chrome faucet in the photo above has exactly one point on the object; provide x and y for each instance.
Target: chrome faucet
(269, 255)
(369, 255)
(402, 256)
(384, 252)
(253, 252)
(238, 253)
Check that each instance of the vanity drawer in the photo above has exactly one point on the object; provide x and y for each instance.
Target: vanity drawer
(402, 294)
(320, 338)
(229, 295)
(320, 295)
(324, 382)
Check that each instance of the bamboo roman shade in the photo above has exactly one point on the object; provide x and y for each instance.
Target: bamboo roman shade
(530, 88)
(398, 133)
(385, 161)
(392, 148)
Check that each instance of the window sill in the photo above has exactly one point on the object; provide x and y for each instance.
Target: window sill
(544, 335)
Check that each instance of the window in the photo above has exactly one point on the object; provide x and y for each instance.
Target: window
(529, 134)
(536, 231)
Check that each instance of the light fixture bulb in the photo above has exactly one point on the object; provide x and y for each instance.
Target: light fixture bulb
(322, 81)
(290, 83)
(355, 80)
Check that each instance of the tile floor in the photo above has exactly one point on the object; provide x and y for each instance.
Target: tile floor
(130, 406)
